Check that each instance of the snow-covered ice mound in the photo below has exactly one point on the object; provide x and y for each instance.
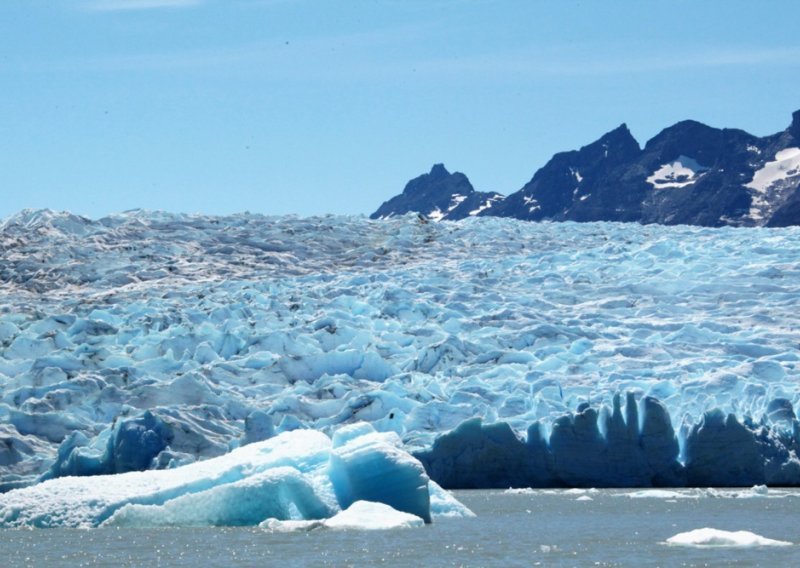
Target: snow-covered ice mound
(716, 537)
(361, 515)
(150, 340)
(360, 479)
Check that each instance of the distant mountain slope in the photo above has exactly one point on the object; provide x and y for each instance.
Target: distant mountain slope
(689, 173)
(439, 195)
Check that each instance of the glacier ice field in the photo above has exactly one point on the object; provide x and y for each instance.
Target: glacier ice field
(501, 353)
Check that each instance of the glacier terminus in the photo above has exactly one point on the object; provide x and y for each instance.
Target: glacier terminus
(489, 352)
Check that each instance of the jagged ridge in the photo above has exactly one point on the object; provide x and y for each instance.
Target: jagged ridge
(689, 173)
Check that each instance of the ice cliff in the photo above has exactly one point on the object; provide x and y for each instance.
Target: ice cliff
(595, 353)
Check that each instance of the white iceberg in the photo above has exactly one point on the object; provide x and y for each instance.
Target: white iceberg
(365, 515)
(297, 476)
(715, 537)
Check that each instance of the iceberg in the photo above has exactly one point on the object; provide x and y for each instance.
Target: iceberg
(296, 476)
(716, 537)
(361, 515)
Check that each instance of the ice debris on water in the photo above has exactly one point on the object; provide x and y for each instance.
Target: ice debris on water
(715, 537)
(361, 515)
(296, 476)
(591, 354)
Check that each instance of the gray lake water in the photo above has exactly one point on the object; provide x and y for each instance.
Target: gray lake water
(602, 528)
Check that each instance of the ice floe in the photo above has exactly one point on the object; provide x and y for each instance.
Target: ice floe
(716, 537)
(296, 476)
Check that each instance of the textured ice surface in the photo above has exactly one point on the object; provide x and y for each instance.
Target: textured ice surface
(231, 329)
(716, 537)
(296, 476)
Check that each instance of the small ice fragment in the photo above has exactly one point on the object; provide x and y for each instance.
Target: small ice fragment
(366, 515)
(715, 537)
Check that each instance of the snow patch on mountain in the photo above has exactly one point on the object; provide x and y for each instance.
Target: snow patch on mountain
(682, 172)
(486, 205)
(772, 182)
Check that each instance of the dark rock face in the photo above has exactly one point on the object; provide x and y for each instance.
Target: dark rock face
(689, 173)
(439, 195)
(581, 185)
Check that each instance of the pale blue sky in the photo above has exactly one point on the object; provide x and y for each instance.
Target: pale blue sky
(292, 106)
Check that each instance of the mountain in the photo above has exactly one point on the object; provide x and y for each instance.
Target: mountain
(439, 195)
(689, 173)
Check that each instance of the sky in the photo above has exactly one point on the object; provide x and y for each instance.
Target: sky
(331, 106)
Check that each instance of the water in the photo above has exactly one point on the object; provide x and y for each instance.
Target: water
(539, 528)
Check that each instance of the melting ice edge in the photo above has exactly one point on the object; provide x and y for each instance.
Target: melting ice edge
(500, 352)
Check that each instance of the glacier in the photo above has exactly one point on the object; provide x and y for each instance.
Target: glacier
(501, 353)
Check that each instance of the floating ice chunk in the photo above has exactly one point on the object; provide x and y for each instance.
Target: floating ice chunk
(88, 501)
(361, 515)
(661, 494)
(755, 492)
(289, 526)
(715, 537)
(366, 515)
(294, 476)
(520, 491)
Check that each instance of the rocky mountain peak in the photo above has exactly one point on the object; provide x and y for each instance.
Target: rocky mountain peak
(795, 126)
(616, 144)
(689, 173)
(438, 171)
